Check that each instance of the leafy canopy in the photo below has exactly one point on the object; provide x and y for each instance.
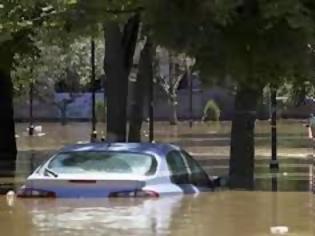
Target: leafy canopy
(55, 62)
(253, 41)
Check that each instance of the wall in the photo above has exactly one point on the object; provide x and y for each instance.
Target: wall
(80, 109)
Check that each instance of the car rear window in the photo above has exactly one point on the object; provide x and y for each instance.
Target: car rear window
(103, 162)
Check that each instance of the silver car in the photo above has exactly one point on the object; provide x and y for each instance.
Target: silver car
(117, 170)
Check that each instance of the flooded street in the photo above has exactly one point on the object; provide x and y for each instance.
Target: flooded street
(289, 210)
(157, 118)
(220, 213)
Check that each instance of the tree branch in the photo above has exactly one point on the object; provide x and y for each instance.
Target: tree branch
(126, 11)
(163, 83)
(178, 79)
(165, 86)
(52, 12)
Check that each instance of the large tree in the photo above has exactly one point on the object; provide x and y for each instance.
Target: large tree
(14, 37)
(7, 134)
(61, 18)
(120, 20)
(141, 91)
(255, 42)
(19, 21)
(119, 51)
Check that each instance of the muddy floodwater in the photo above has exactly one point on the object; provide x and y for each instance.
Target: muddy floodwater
(283, 203)
(218, 214)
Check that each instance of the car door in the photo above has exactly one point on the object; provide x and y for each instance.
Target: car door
(179, 172)
(198, 177)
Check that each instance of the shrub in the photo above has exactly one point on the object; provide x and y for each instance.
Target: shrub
(100, 110)
(211, 111)
(262, 110)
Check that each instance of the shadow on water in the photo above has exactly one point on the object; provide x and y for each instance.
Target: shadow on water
(27, 162)
(293, 176)
(223, 140)
(224, 135)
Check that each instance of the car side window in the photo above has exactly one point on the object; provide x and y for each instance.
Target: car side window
(176, 164)
(198, 176)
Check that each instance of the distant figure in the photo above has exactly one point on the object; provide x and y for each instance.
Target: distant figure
(10, 196)
(311, 126)
(311, 131)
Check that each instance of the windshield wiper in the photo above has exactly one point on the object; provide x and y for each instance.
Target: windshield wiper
(49, 171)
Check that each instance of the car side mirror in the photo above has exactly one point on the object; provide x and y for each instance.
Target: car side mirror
(218, 181)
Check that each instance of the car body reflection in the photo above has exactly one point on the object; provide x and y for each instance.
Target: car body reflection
(140, 216)
(222, 213)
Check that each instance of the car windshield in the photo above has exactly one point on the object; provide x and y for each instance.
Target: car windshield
(103, 162)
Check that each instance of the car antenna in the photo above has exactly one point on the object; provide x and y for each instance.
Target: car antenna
(108, 142)
(110, 139)
(103, 139)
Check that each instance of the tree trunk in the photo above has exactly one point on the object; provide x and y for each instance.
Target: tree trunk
(119, 51)
(63, 111)
(141, 89)
(242, 139)
(172, 91)
(8, 150)
(174, 119)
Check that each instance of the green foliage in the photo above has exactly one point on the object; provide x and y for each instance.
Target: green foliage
(100, 109)
(59, 19)
(255, 42)
(66, 62)
(26, 26)
(211, 111)
(19, 21)
(299, 92)
(263, 110)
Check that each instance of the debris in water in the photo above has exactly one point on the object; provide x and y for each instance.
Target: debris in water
(82, 142)
(41, 134)
(38, 128)
(10, 198)
(279, 230)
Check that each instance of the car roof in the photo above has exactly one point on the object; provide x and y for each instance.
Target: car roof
(160, 149)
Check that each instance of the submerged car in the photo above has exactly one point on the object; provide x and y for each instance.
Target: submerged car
(117, 170)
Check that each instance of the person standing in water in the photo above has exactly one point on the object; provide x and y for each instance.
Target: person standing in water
(311, 131)
(311, 126)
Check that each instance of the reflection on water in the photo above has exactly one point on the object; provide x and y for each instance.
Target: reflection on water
(104, 217)
(292, 137)
(220, 213)
(209, 144)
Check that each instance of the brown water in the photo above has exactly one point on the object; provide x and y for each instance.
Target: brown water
(217, 214)
(222, 213)
(208, 143)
